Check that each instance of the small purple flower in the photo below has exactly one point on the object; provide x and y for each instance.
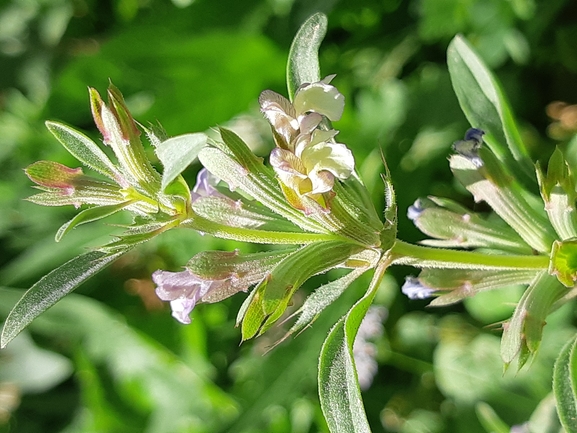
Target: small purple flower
(205, 185)
(184, 290)
(415, 290)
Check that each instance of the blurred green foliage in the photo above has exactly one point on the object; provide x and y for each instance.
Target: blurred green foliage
(111, 359)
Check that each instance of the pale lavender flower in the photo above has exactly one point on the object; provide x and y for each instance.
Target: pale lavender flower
(184, 290)
(205, 185)
(415, 290)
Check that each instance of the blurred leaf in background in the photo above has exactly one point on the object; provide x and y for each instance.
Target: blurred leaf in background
(114, 360)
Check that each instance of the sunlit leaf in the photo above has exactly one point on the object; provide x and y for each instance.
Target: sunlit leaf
(303, 61)
(177, 153)
(275, 291)
(339, 391)
(565, 386)
(485, 105)
(90, 215)
(522, 334)
(83, 149)
(490, 420)
(51, 288)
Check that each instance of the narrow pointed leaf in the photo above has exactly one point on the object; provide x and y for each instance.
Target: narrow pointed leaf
(490, 420)
(258, 182)
(485, 105)
(321, 298)
(454, 285)
(51, 288)
(303, 61)
(457, 227)
(83, 149)
(522, 335)
(339, 391)
(565, 386)
(177, 153)
(90, 215)
(489, 181)
(275, 291)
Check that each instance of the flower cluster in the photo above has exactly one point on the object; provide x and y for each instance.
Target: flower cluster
(307, 159)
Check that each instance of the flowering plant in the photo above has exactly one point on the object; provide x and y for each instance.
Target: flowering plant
(310, 200)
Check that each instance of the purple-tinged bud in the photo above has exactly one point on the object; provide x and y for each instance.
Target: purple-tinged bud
(97, 105)
(414, 211)
(52, 175)
(122, 114)
(469, 147)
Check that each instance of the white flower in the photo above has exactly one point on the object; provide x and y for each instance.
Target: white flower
(307, 159)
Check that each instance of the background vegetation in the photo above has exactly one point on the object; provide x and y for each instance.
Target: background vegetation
(111, 359)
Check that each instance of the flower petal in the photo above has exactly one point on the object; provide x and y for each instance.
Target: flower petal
(335, 158)
(281, 115)
(320, 97)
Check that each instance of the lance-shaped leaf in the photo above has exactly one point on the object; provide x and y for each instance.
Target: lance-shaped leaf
(485, 105)
(326, 294)
(237, 213)
(454, 285)
(177, 153)
(84, 149)
(490, 420)
(235, 164)
(274, 293)
(138, 234)
(90, 215)
(359, 219)
(303, 60)
(454, 226)
(565, 386)
(51, 288)
(485, 177)
(522, 334)
(558, 193)
(339, 391)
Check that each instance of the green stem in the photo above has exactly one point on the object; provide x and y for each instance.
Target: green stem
(426, 257)
(254, 235)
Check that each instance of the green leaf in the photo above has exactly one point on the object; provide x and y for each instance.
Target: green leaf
(321, 298)
(488, 180)
(522, 335)
(490, 420)
(84, 149)
(565, 386)
(238, 213)
(275, 291)
(235, 164)
(485, 105)
(558, 193)
(339, 391)
(454, 285)
(51, 288)
(303, 60)
(177, 153)
(89, 215)
(453, 226)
